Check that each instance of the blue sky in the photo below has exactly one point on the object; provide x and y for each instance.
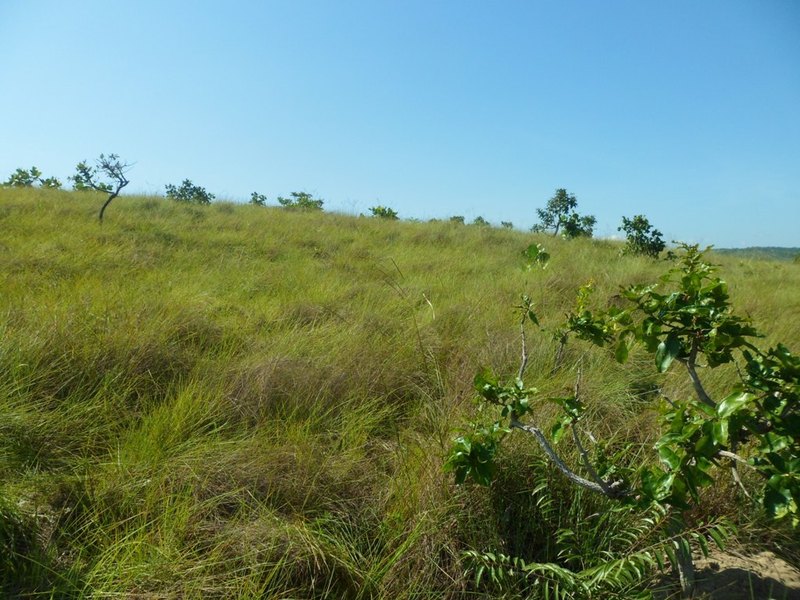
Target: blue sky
(685, 111)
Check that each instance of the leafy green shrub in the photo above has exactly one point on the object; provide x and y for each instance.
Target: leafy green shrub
(383, 212)
(258, 199)
(689, 323)
(189, 193)
(301, 201)
(458, 219)
(560, 215)
(481, 222)
(641, 237)
(29, 178)
(507, 224)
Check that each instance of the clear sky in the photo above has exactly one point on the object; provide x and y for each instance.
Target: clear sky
(685, 111)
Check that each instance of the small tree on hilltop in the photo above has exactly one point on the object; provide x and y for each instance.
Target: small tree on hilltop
(29, 178)
(579, 226)
(384, 212)
(258, 199)
(641, 237)
(107, 176)
(560, 213)
(301, 201)
(189, 193)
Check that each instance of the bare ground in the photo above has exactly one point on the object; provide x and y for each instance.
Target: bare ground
(735, 576)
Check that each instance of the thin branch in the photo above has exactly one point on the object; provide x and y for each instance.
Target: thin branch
(587, 464)
(698, 385)
(577, 389)
(613, 490)
(735, 457)
(524, 361)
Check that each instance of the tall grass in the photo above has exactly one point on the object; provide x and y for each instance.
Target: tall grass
(234, 401)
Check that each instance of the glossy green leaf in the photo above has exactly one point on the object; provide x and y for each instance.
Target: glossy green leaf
(557, 431)
(733, 403)
(669, 457)
(667, 351)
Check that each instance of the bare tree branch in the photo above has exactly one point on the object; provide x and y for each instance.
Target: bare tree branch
(524, 361)
(612, 490)
(689, 363)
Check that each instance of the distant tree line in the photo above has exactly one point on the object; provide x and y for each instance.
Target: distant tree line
(560, 214)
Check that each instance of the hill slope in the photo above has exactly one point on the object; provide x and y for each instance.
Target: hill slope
(763, 252)
(233, 401)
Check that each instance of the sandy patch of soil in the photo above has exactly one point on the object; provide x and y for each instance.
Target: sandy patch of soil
(733, 576)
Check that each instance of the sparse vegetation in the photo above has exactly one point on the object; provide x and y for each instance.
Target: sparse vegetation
(560, 215)
(383, 212)
(258, 199)
(239, 403)
(108, 176)
(481, 222)
(641, 237)
(301, 201)
(30, 178)
(189, 193)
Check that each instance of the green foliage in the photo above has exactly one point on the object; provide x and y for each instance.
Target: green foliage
(30, 177)
(612, 555)
(536, 256)
(576, 225)
(481, 222)
(301, 201)
(457, 219)
(153, 401)
(506, 224)
(692, 319)
(258, 199)
(108, 176)
(560, 215)
(86, 179)
(472, 456)
(189, 193)
(383, 212)
(641, 237)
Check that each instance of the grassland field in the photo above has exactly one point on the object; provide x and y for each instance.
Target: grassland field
(232, 401)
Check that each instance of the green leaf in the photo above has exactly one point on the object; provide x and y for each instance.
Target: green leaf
(733, 403)
(670, 551)
(777, 501)
(715, 535)
(621, 353)
(667, 351)
(668, 457)
(705, 446)
(701, 540)
(774, 443)
(557, 431)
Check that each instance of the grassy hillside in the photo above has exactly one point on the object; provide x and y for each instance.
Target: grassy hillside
(234, 401)
(761, 252)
